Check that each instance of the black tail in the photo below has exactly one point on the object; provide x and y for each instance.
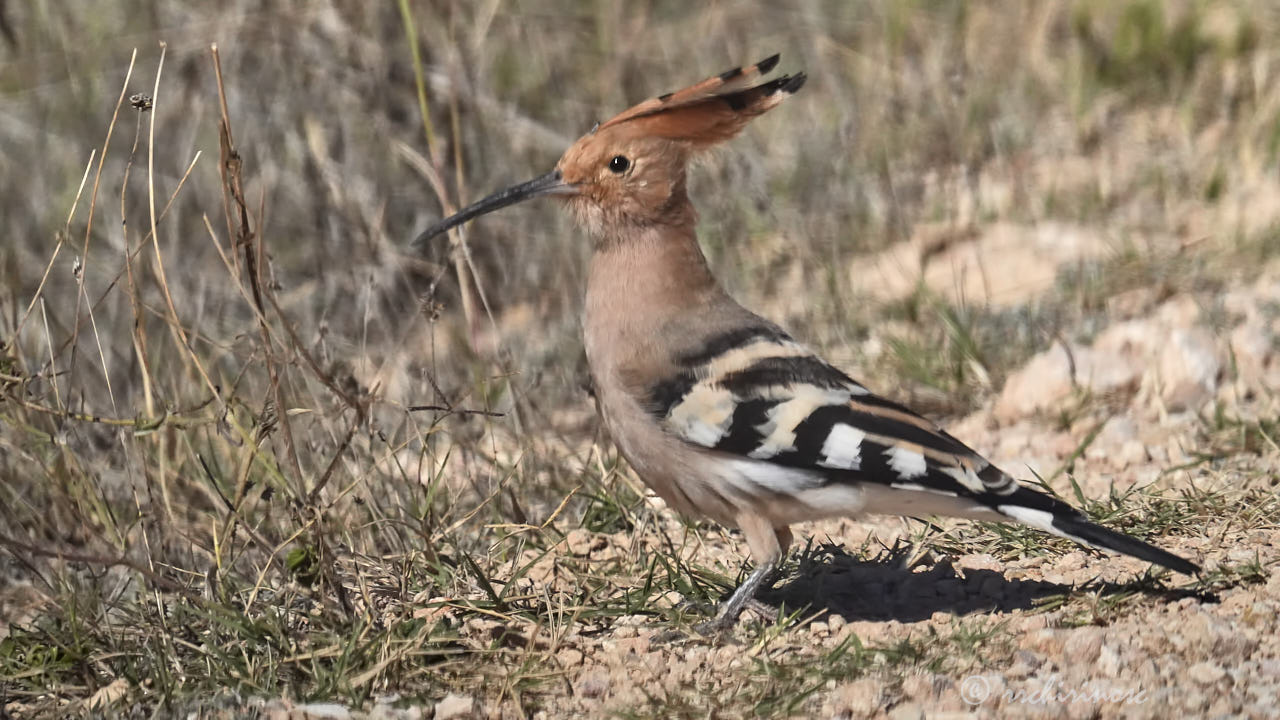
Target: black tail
(1081, 529)
(1058, 518)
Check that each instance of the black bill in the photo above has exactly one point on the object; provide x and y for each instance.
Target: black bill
(550, 184)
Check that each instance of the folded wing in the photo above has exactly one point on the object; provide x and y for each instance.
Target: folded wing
(755, 393)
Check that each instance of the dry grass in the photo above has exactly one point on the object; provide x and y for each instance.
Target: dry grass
(251, 448)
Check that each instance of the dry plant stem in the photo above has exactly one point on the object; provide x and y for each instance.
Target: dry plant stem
(250, 245)
(93, 203)
(161, 440)
(101, 560)
(411, 31)
(468, 283)
(234, 518)
(141, 425)
(53, 374)
(250, 441)
(135, 295)
(97, 339)
(155, 591)
(361, 407)
(449, 410)
(180, 333)
(133, 254)
(314, 495)
(255, 268)
(48, 268)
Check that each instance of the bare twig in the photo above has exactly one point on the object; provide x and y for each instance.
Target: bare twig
(460, 411)
(251, 246)
(256, 269)
(11, 544)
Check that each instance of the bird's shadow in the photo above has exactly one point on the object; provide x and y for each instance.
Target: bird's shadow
(885, 588)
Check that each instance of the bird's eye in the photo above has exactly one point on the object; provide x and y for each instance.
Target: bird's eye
(619, 164)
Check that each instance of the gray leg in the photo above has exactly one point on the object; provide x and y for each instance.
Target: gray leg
(745, 593)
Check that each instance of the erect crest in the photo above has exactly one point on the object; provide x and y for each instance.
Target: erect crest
(712, 110)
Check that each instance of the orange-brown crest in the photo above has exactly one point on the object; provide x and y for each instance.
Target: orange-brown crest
(630, 170)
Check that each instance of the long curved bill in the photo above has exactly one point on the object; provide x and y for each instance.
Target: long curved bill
(550, 184)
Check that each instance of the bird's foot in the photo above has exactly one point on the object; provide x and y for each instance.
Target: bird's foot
(742, 598)
(726, 620)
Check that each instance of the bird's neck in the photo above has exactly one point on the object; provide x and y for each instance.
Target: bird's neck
(640, 286)
(648, 275)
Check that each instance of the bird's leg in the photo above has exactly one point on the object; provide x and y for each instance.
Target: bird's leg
(783, 535)
(732, 607)
(767, 547)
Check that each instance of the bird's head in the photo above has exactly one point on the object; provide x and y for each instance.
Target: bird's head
(629, 171)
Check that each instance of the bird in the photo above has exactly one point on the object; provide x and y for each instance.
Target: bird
(721, 412)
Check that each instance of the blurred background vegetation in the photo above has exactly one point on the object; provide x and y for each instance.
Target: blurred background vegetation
(149, 438)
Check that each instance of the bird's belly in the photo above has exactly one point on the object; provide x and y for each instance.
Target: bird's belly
(672, 469)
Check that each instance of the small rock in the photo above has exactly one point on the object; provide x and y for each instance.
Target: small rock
(1131, 303)
(1046, 642)
(917, 686)
(320, 711)
(1040, 385)
(1188, 369)
(1258, 615)
(861, 697)
(569, 657)
(1210, 636)
(593, 683)
(907, 711)
(638, 645)
(1120, 355)
(1025, 662)
(578, 541)
(1241, 555)
(653, 501)
(983, 561)
(1265, 706)
(1206, 673)
(1073, 560)
(385, 710)
(1132, 452)
(1181, 311)
(1120, 428)
(1109, 662)
(1252, 347)
(108, 694)
(1083, 645)
(454, 706)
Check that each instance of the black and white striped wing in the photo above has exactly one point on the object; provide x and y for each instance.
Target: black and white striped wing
(757, 393)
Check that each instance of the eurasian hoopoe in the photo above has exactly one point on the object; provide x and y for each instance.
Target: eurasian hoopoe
(718, 410)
